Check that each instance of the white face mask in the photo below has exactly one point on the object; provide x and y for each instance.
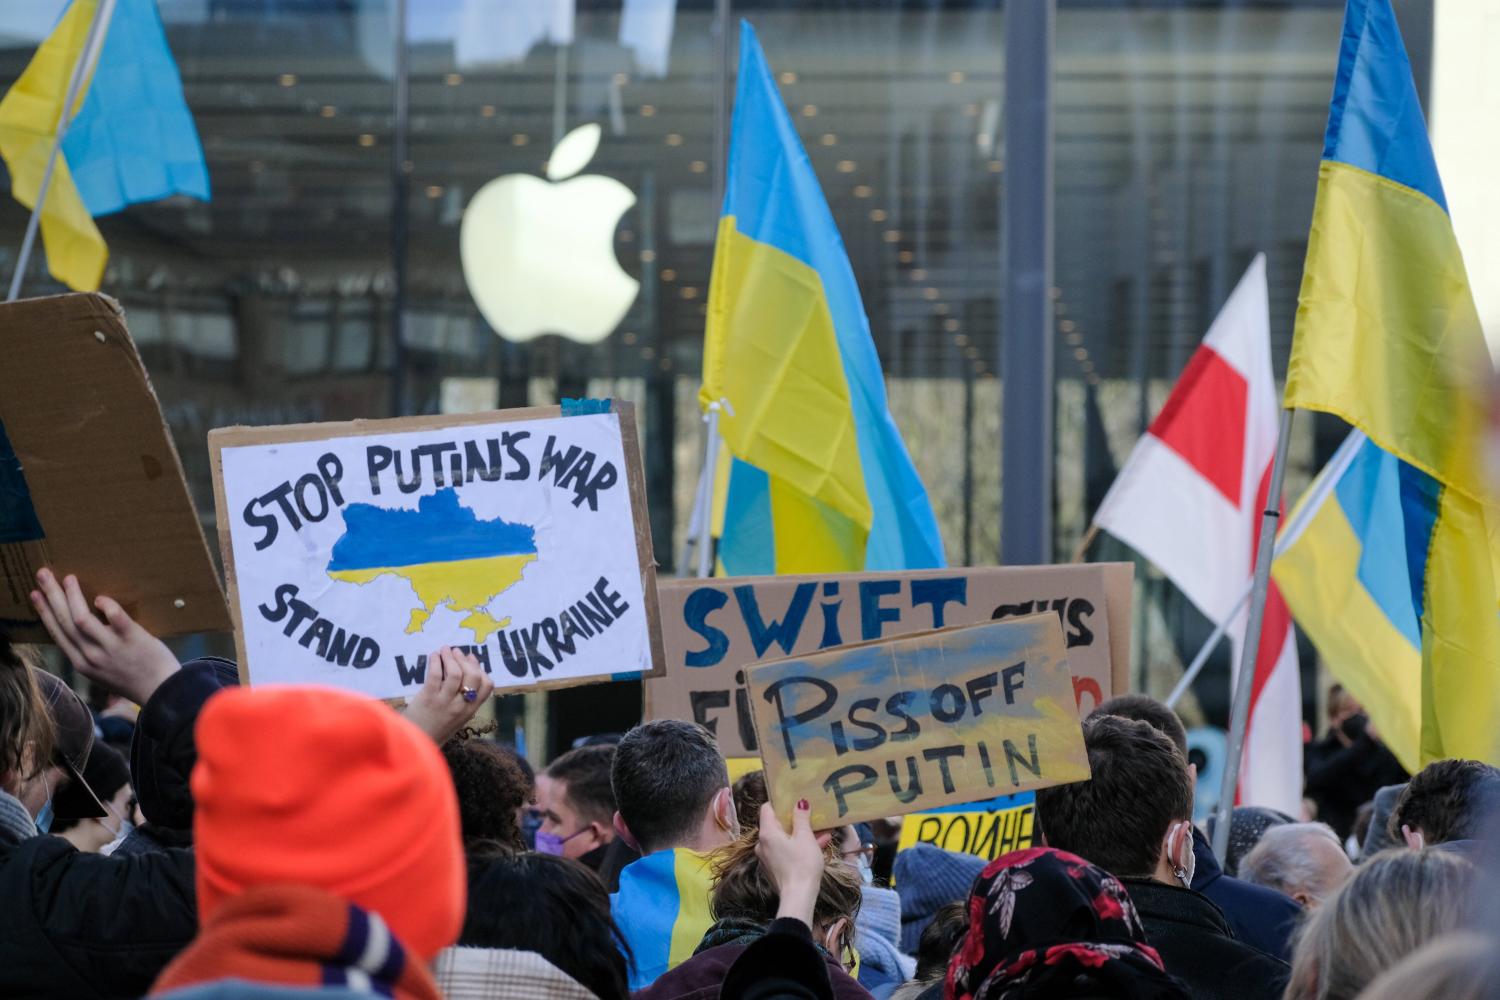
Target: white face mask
(866, 873)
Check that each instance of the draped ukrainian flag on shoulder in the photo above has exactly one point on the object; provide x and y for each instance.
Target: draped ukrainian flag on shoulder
(1387, 337)
(131, 139)
(820, 480)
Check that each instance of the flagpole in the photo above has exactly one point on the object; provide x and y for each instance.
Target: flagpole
(1083, 543)
(87, 59)
(710, 473)
(1306, 508)
(1245, 682)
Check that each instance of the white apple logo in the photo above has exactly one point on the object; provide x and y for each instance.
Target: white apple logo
(539, 255)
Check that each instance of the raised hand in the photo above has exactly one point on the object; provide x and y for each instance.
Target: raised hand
(116, 652)
(454, 689)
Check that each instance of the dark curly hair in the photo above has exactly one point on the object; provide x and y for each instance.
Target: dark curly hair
(491, 787)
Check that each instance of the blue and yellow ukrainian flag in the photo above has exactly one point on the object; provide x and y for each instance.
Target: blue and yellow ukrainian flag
(662, 908)
(1342, 568)
(131, 139)
(820, 480)
(1387, 338)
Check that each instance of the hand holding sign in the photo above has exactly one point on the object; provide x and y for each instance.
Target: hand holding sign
(116, 652)
(456, 687)
(929, 720)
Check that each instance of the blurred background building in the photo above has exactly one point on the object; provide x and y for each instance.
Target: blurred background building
(323, 281)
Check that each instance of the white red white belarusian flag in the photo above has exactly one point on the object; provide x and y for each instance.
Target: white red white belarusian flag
(1190, 499)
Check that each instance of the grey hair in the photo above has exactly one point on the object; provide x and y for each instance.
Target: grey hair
(1284, 861)
(1396, 902)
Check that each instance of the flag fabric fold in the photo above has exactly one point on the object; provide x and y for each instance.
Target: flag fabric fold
(1343, 573)
(131, 139)
(1190, 498)
(1387, 337)
(821, 480)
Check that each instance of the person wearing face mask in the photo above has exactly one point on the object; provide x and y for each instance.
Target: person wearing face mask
(1133, 818)
(674, 804)
(577, 806)
(877, 929)
(107, 776)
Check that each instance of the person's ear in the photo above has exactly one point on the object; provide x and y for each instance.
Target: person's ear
(1304, 898)
(724, 812)
(1414, 838)
(623, 832)
(833, 937)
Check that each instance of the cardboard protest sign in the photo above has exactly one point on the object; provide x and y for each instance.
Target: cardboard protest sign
(714, 629)
(985, 829)
(90, 482)
(355, 549)
(902, 725)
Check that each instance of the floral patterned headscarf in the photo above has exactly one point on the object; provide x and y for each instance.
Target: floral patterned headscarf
(1045, 923)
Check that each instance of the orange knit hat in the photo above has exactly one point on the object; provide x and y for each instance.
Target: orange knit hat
(314, 786)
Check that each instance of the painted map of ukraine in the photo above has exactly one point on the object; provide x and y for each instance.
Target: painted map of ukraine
(447, 554)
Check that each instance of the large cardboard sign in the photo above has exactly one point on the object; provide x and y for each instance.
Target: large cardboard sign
(714, 629)
(355, 549)
(935, 719)
(90, 482)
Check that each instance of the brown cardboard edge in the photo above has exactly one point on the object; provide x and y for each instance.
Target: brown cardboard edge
(226, 551)
(106, 312)
(1119, 594)
(229, 437)
(645, 549)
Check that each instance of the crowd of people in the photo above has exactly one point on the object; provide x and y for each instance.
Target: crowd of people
(304, 842)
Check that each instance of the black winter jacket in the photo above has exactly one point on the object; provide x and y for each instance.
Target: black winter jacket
(89, 926)
(1197, 946)
(86, 925)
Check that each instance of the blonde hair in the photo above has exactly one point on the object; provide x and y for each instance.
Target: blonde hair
(1396, 902)
(1460, 966)
(743, 888)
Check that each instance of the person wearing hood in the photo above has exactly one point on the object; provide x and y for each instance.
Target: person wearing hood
(163, 754)
(76, 924)
(877, 928)
(1047, 924)
(929, 878)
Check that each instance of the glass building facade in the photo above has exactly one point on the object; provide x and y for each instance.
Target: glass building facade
(323, 281)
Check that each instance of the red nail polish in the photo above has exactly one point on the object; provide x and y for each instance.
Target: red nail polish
(802, 804)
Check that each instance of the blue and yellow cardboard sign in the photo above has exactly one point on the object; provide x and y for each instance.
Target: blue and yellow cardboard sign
(921, 722)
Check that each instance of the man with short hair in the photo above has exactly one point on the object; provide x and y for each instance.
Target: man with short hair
(1258, 916)
(674, 804)
(1447, 802)
(577, 805)
(1133, 818)
(1302, 860)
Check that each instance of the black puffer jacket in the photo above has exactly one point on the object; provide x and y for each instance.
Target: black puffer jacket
(88, 926)
(1197, 946)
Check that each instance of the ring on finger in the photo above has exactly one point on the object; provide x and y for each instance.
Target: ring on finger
(469, 693)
